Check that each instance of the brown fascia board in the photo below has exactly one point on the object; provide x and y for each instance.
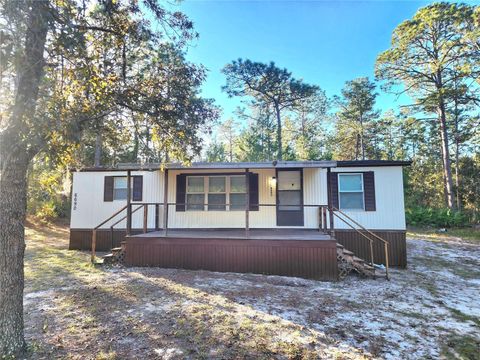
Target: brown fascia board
(213, 166)
(372, 163)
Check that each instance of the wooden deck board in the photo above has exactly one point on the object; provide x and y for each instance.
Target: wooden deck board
(237, 234)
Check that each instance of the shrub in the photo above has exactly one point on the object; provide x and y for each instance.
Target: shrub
(421, 216)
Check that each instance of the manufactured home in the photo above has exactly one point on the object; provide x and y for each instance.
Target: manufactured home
(313, 219)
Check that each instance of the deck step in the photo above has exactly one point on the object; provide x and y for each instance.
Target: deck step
(348, 262)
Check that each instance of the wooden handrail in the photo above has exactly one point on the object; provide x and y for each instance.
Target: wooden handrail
(359, 225)
(385, 242)
(94, 233)
(123, 218)
(110, 218)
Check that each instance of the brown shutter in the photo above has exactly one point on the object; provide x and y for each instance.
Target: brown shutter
(334, 189)
(137, 188)
(181, 189)
(108, 189)
(369, 190)
(253, 190)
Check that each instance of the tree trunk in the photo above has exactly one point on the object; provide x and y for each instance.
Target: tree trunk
(279, 133)
(15, 155)
(13, 189)
(98, 150)
(457, 174)
(447, 168)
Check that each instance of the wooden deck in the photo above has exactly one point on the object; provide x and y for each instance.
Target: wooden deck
(239, 234)
(302, 253)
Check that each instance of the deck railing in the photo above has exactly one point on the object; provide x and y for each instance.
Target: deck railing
(326, 215)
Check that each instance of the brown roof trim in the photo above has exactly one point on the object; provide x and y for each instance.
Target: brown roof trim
(215, 166)
(371, 163)
(113, 169)
(246, 165)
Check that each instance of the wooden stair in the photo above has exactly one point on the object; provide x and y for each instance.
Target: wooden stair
(117, 255)
(348, 262)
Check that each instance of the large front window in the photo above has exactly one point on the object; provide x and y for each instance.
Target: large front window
(350, 191)
(216, 192)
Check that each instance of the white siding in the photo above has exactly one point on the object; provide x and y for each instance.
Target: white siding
(314, 193)
(313, 181)
(264, 218)
(90, 209)
(390, 211)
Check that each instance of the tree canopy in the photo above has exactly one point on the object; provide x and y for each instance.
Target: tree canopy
(269, 86)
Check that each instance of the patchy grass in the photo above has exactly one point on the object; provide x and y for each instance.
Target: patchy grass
(465, 317)
(76, 311)
(461, 347)
(469, 234)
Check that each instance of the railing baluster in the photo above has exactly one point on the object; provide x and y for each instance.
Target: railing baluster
(111, 237)
(385, 242)
(94, 243)
(157, 207)
(145, 218)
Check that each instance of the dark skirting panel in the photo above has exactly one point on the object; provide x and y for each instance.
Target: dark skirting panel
(81, 239)
(355, 242)
(303, 258)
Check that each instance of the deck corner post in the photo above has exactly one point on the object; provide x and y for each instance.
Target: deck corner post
(145, 218)
(247, 203)
(165, 202)
(129, 203)
(94, 243)
(330, 205)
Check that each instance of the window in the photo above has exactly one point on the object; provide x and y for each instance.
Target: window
(238, 192)
(218, 191)
(350, 191)
(120, 188)
(289, 190)
(195, 193)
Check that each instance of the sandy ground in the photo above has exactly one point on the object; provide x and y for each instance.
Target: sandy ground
(73, 310)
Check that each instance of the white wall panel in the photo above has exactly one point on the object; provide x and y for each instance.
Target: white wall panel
(390, 210)
(89, 209)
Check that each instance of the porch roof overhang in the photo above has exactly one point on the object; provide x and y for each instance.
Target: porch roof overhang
(247, 165)
(253, 165)
(216, 165)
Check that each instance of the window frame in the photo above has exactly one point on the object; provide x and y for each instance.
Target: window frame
(125, 188)
(206, 191)
(340, 191)
(194, 193)
(236, 192)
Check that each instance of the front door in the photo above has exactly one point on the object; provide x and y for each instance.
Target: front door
(289, 198)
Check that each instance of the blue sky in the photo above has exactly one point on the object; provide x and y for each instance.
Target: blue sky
(324, 42)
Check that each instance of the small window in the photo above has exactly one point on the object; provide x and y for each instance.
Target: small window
(195, 193)
(350, 191)
(120, 188)
(238, 192)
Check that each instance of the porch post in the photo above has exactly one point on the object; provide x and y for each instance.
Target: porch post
(330, 205)
(129, 202)
(165, 202)
(247, 203)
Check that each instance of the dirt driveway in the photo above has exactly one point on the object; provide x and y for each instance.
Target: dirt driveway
(76, 311)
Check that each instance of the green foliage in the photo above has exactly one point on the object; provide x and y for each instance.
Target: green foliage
(355, 119)
(48, 190)
(434, 57)
(444, 217)
(270, 87)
